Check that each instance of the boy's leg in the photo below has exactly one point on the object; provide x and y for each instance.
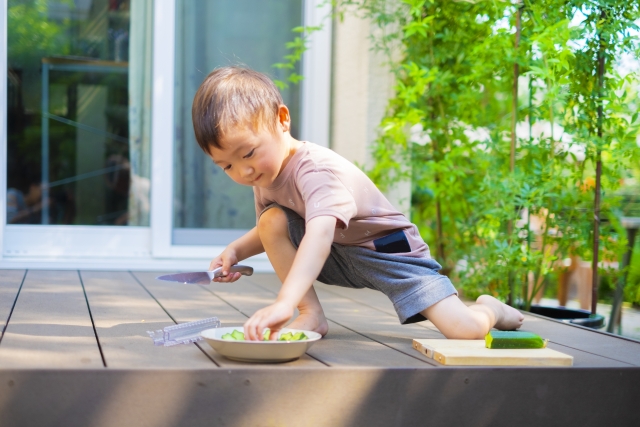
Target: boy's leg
(457, 321)
(274, 234)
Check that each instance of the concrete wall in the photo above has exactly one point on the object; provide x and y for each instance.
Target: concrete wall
(362, 84)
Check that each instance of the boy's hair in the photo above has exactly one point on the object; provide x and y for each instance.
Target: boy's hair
(230, 97)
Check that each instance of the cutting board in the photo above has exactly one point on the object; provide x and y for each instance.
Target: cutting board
(474, 352)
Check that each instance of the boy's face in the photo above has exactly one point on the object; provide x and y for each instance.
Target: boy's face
(253, 158)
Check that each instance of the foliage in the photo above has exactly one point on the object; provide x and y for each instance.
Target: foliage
(448, 129)
(27, 45)
(297, 47)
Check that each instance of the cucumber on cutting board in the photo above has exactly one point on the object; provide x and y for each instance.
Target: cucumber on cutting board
(475, 353)
(513, 339)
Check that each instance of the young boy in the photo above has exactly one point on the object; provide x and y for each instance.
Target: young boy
(320, 217)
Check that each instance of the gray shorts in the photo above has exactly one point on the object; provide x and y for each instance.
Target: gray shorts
(412, 284)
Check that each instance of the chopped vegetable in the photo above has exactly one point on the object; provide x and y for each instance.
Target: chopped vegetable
(286, 337)
(236, 335)
(299, 336)
(513, 339)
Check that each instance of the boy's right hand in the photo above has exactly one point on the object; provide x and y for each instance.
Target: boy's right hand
(225, 260)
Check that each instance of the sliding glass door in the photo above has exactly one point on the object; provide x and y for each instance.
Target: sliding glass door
(76, 144)
(96, 137)
(69, 148)
(208, 207)
(203, 210)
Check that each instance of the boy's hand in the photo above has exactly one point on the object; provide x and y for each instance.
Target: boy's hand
(273, 317)
(225, 260)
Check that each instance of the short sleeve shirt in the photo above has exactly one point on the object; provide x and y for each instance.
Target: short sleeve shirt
(317, 181)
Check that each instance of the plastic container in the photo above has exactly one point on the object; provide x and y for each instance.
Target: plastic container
(568, 315)
(183, 333)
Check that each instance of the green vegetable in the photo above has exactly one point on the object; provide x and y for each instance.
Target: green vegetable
(513, 339)
(236, 335)
(299, 336)
(286, 337)
(289, 336)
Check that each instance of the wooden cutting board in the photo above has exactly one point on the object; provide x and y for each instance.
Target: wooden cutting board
(474, 352)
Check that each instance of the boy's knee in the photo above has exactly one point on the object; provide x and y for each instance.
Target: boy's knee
(272, 221)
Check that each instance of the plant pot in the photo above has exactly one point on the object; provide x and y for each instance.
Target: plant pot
(569, 315)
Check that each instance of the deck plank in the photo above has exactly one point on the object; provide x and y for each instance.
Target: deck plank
(376, 301)
(592, 342)
(10, 281)
(455, 396)
(384, 327)
(187, 303)
(122, 313)
(379, 326)
(340, 349)
(50, 326)
(355, 338)
(582, 357)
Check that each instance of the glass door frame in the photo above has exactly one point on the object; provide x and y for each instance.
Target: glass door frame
(3, 121)
(58, 246)
(127, 247)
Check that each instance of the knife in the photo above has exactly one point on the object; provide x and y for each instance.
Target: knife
(204, 277)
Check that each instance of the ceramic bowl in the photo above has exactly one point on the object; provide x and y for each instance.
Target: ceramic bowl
(259, 351)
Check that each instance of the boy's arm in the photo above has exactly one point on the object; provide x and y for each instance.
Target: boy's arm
(242, 248)
(248, 245)
(311, 255)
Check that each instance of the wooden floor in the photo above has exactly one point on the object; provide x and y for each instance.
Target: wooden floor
(79, 338)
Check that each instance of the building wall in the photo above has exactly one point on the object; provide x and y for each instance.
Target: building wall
(362, 84)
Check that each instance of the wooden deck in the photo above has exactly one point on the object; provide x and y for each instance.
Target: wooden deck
(74, 352)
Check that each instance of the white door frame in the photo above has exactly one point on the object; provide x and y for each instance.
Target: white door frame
(3, 121)
(112, 247)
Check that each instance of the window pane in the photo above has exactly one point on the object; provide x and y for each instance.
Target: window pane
(209, 35)
(70, 156)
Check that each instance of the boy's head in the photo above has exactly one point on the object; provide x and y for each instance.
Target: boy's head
(233, 98)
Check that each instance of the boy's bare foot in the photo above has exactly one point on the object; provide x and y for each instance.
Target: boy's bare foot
(311, 322)
(507, 318)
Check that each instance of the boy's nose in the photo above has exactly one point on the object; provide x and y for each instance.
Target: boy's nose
(248, 173)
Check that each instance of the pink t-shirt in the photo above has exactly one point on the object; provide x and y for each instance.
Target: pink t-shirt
(317, 181)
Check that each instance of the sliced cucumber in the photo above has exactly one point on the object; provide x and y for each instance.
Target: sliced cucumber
(513, 339)
(298, 336)
(237, 335)
(286, 337)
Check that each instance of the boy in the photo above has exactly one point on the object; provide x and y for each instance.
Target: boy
(320, 217)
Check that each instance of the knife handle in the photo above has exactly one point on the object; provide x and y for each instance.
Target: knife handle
(242, 269)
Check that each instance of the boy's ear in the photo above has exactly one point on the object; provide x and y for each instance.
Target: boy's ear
(284, 118)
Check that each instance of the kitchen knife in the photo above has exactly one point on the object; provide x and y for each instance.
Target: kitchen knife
(204, 277)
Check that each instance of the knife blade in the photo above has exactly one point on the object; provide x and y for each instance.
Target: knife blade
(204, 277)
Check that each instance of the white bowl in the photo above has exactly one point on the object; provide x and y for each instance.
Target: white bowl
(259, 351)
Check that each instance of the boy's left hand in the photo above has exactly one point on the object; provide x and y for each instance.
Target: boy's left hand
(274, 317)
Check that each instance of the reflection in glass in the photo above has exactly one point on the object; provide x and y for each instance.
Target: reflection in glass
(69, 112)
(209, 35)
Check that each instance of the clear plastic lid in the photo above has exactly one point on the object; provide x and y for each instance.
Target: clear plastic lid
(183, 333)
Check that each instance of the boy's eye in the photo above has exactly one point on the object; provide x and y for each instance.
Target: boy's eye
(227, 167)
(250, 154)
